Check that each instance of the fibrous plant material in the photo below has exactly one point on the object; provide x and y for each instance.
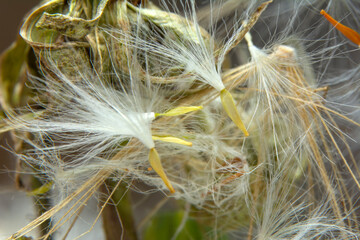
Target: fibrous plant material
(232, 114)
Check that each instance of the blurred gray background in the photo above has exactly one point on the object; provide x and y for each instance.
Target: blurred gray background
(15, 207)
(12, 13)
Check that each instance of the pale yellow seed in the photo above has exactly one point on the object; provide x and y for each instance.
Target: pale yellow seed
(179, 111)
(172, 140)
(155, 163)
(231, 110)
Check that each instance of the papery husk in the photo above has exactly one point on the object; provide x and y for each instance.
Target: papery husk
(71, 25)
(152, 19)
(49, 44)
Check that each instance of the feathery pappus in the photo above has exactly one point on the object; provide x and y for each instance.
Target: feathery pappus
(242, 117)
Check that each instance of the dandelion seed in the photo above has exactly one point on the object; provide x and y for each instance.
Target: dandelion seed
(93, 114)
(192, 51)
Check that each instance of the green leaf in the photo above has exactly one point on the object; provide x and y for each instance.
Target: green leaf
(164, 226)
(12, 62)
(41, 190)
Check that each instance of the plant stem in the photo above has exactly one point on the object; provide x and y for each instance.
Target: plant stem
(119, 214)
